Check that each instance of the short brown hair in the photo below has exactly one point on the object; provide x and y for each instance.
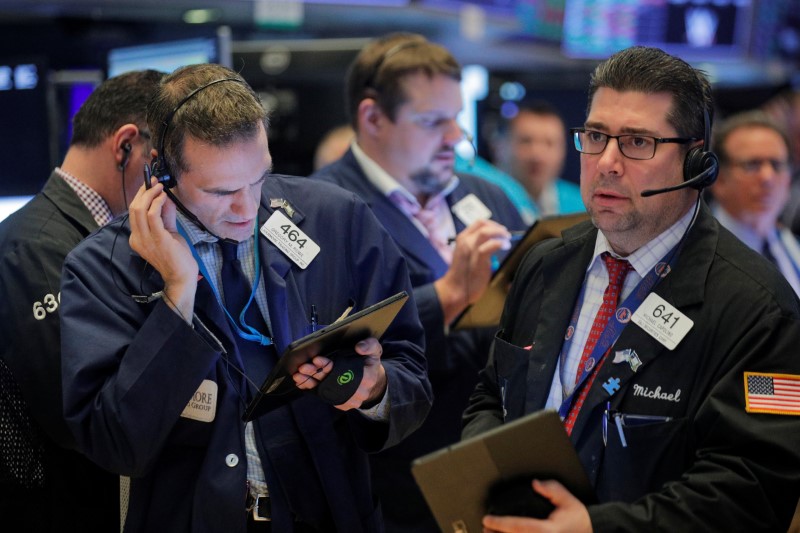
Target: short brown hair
(381, 65)
(117, 101)
(218, 114)
(651, 70)
(746, 119)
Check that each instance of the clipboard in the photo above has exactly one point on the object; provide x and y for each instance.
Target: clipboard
(455, 480)
(489, 308)
(278, 387)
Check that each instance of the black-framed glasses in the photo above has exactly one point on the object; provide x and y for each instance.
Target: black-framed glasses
(632, 146)
(751, 166)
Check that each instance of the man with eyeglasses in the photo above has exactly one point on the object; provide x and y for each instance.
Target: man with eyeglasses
(655, 324)
(754, 186)
(403, 98)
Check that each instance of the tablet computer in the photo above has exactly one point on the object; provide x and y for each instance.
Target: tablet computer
(372, 321)
(489, 308)
(456, 480)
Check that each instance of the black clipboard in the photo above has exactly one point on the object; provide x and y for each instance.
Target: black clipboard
(345, 333)
(456, 480)
(489, 308)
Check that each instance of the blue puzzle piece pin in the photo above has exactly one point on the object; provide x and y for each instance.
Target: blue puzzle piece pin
(611, 386)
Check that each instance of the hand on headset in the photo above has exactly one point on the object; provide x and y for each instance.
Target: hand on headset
(155, 237)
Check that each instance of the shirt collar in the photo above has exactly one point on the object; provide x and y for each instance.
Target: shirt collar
(745, 233)
(647, 257)
(195, 234)
(90, 198)
(386, 184)
(548, 200)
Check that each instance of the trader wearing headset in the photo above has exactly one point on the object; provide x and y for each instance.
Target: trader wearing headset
(404, 96)
(666, 345)
(169, 337)
(38, 461)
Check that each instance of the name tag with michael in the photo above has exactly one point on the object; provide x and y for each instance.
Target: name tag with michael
(470, 209)
(662, 321)
(203, 405)
(284, 234)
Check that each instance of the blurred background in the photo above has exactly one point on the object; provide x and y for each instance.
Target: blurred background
(295, 54)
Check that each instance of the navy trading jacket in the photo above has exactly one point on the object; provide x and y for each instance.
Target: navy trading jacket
(130, 369)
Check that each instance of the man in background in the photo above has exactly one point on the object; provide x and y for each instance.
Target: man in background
(44, 483)
(537, 147)
(753, 188)
(333, 145)
(403, 99)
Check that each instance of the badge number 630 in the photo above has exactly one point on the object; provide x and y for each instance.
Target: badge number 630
(49, 304)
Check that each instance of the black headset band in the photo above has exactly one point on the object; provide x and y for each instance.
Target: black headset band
(168, 119)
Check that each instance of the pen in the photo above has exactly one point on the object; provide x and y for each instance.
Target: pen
(515, 237)
(313, 317)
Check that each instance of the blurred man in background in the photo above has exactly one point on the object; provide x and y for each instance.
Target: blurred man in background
(753, 188)
(537, 146)
(404, 96)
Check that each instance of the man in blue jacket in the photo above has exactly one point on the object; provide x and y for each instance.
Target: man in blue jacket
(160, 360)
(404, 96)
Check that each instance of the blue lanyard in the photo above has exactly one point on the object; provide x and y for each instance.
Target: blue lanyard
(615, 326)
(240, 327)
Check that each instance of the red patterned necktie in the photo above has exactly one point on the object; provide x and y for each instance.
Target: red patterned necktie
(617, 270)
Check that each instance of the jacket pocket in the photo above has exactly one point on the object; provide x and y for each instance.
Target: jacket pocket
(511, 369)
(641, 457)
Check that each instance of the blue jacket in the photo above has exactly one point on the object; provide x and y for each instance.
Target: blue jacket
(454, 358)
(131, 368)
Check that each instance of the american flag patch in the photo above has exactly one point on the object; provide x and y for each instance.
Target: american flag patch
(772, 393)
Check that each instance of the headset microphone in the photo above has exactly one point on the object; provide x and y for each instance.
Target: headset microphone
(700, 168)
(693, 182)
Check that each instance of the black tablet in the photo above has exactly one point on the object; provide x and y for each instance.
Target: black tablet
(344, 333)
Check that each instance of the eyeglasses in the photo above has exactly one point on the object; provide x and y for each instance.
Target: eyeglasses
(751, 166)
(633, 146)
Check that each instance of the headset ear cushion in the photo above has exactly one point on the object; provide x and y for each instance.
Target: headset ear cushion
(161, 172)
(697, 162)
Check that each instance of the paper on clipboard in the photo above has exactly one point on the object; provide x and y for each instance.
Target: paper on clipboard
(489, 308)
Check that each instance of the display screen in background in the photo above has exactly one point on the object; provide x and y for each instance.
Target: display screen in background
(164, 57)
(25, 160)
(692, 30)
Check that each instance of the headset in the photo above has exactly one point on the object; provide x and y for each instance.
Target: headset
(158, 167)
(700, 168)
(369, 83)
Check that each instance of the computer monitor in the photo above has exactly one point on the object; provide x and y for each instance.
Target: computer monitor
(25, 157)
(167, 56)
(718, 30)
